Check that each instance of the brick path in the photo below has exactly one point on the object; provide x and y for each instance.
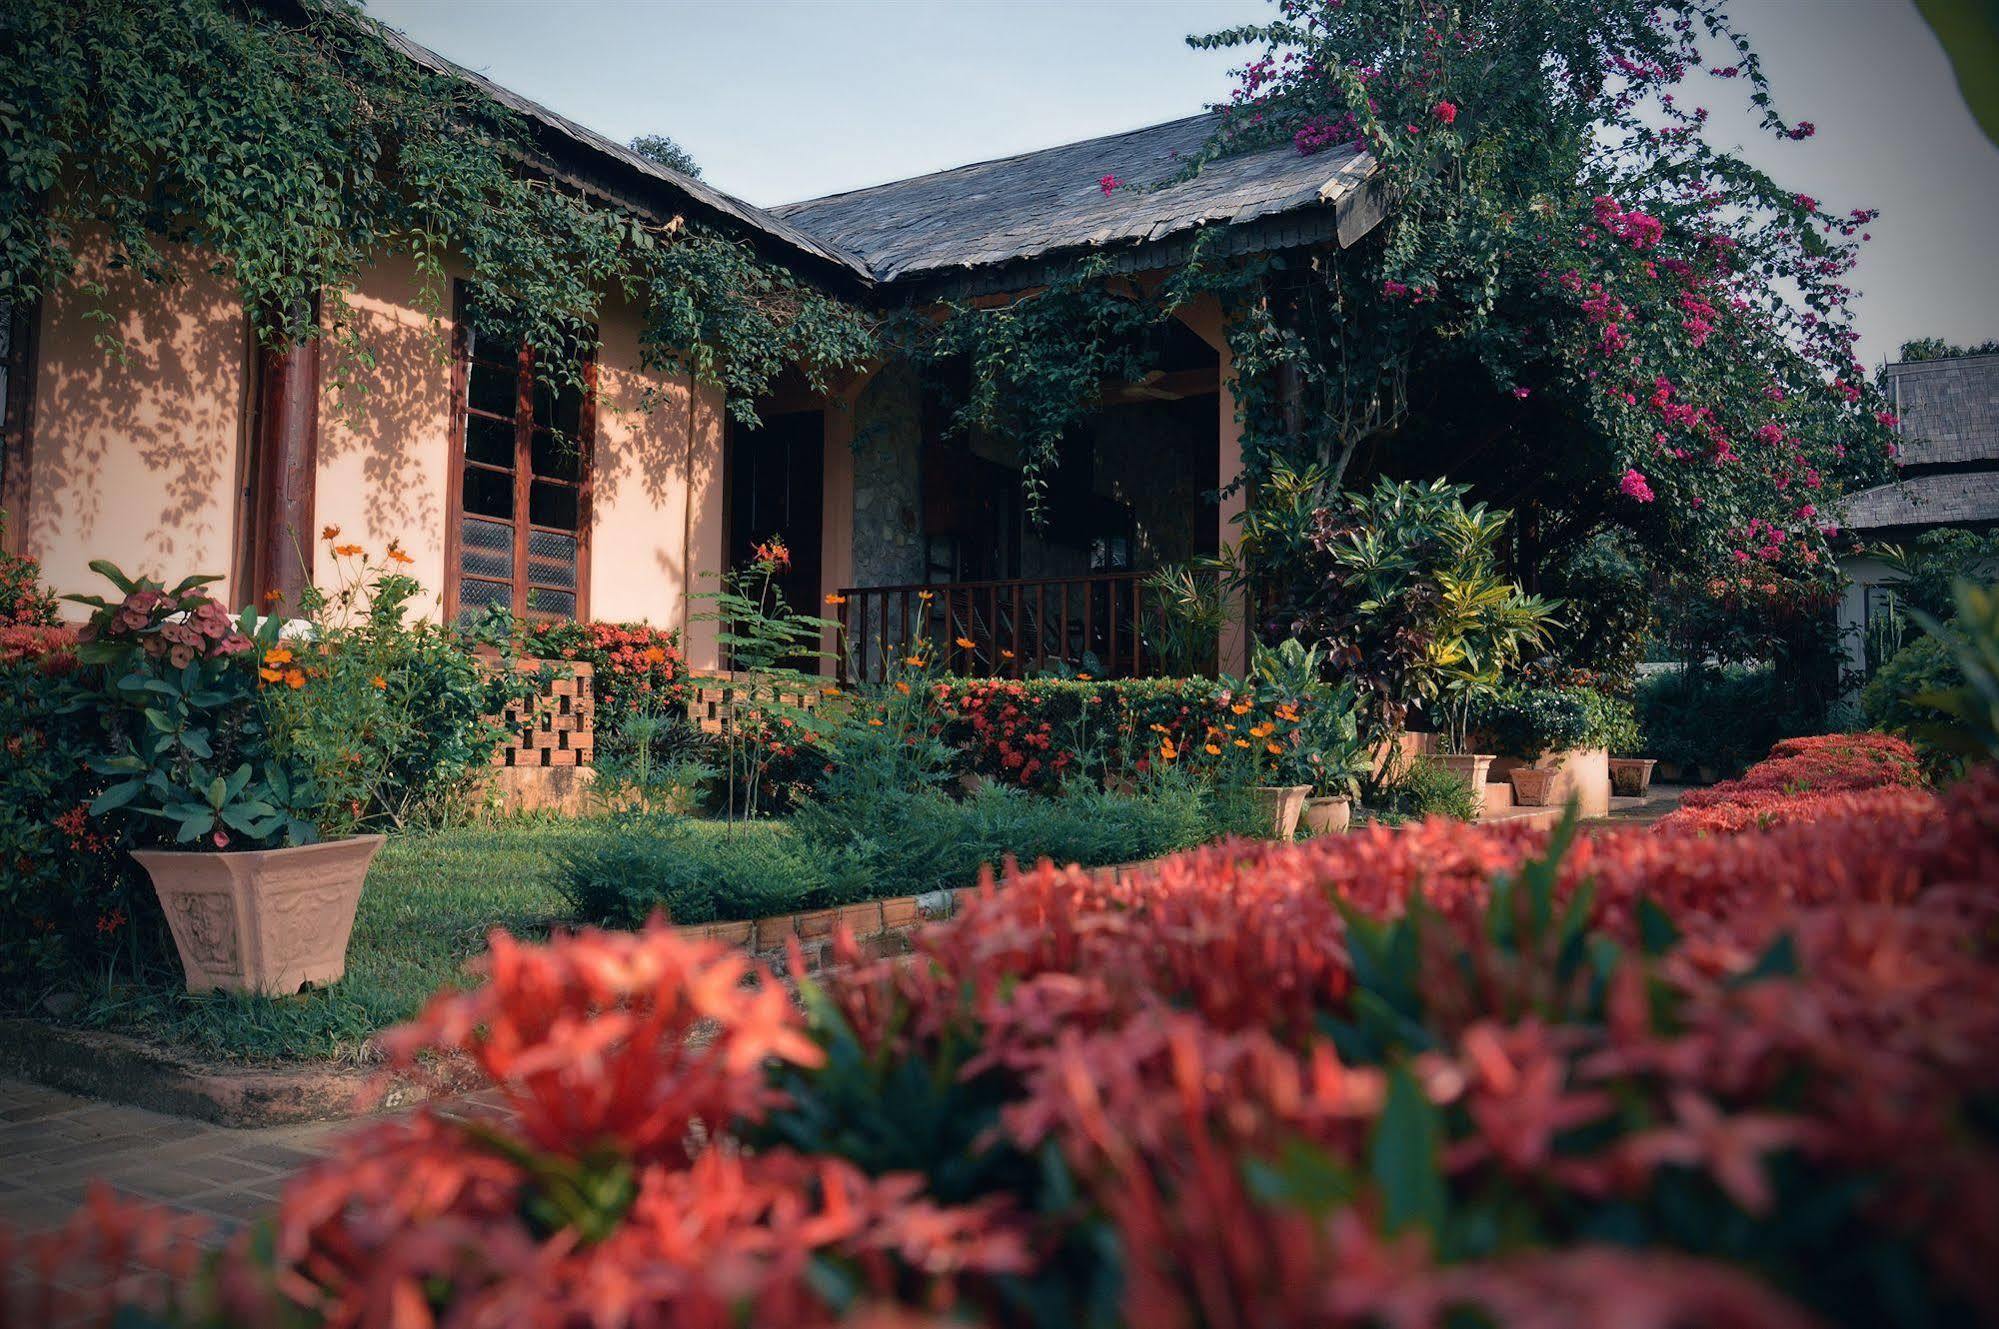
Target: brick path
(54, 1143)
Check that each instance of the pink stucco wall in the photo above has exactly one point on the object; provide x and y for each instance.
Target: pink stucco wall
(135, 455)
(139, 460)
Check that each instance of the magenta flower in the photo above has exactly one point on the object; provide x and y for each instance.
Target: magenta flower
(1108, 184)
(1634, 486)
(1445, 112)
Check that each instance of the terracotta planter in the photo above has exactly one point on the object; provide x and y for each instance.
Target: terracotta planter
(1630, 777)
(1327, 816)
(266, 921)
(1532, 785)
(1283, 804)
(1471, 767)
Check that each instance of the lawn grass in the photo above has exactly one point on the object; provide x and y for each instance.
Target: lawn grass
(431, 899)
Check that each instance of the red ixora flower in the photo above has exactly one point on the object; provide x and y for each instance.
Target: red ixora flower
(1445, 111)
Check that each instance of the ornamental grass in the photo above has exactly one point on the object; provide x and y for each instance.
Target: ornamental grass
(1440, 1075)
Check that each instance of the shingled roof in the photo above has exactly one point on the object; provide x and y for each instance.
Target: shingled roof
(1949, 409)
(1961, 499)
(1035, 205)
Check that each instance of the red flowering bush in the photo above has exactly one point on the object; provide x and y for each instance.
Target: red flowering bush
(1804, 779)
(63, 881)
(635, 664)
(1035, 733)
(24, 601)
(1406, 1077)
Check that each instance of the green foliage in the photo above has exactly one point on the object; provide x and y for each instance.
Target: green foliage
(24, 601)
(1926, 572)
(1328, 751)
(663, 151)
(1404, 591)
(1722, 718)
(395, 718)
(185, 744)
(625, 872)
(1423, 789)
(1936, 348)
(1527, 719)
(1606, 593)
(1957, 685)
(67, 897)
(296, 154)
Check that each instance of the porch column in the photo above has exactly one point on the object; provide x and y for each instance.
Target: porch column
(1205, 319)
(285, 470)
(836, 525)
(703, 557)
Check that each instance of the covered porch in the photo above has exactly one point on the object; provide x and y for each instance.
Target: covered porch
(920, 541)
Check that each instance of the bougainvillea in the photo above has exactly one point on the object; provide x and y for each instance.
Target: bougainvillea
(1555, 215)
(1392, 1077)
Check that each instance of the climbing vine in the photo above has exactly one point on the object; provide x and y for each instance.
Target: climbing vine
(290, 155)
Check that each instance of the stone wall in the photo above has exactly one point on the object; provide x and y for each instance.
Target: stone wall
(888, 528)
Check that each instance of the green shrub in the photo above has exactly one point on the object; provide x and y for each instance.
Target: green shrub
(69, 896)
(693, 872)
(1425, 789)
(1722, 718)
(1526, 720)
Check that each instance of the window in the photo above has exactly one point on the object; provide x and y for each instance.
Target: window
(520, 534)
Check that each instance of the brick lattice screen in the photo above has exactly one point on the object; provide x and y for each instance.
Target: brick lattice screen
(557, 726)
(711, 694)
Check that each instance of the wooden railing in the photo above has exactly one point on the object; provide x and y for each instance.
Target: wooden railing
(1106, 621)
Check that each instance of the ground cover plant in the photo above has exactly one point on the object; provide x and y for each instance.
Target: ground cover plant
(1442, 1074)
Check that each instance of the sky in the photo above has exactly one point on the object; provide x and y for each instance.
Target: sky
(787, 99)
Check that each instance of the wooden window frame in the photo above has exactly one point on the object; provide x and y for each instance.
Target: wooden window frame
(523, 472)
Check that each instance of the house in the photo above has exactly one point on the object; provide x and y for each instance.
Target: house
(197, 450)
(1949, 422)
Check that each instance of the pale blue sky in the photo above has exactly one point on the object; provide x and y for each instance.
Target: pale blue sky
(787, 99)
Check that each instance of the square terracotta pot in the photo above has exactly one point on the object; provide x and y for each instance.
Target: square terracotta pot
(1283, 804)
(267, 921)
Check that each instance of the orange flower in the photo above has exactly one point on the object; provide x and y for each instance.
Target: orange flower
(1006, 655)
(270, 675)
(876, 723)
(1167, 750)
(925, 595)
(378, 682)
(902, 687)
(1241, 708)
(398, 556)
(967, 644)
(1274, 749)
(836, 599)
(273, 595)
(329, 533)
(294, 678)
(1212, 750)
(348, 551)
(1082, 678)
(1242, 742)
(278, 655)
(914, 662)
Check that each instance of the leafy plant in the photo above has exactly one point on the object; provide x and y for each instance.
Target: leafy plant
(1970, 728)
(642, 864)
(185, 742)
(1529, 719)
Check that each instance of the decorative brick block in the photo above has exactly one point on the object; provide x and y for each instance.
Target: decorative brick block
(556, 727)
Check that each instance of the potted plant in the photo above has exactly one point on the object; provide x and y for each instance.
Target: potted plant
(223, 826)
(1630, 777)
(1309, 760)
(1532, 785)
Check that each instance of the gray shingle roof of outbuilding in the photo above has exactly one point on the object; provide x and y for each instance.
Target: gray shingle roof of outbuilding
(1949, 409)
(1038, 204)
(1962, 499)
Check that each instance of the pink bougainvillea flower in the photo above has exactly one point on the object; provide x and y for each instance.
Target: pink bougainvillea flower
(1445, 111)
(1635, 486)
(1109, 184)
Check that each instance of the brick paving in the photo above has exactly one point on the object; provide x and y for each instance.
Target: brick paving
(53, 1144)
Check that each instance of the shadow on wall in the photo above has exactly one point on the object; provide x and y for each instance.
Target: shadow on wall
(387, 408)
(135, 450)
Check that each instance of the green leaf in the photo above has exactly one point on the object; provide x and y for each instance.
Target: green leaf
(1657, 933)
(117, 796)
(1404, 1157)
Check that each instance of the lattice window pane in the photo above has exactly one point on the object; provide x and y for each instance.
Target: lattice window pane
(552, 560)
(475, 594)
(551, 604)
(486, 549)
